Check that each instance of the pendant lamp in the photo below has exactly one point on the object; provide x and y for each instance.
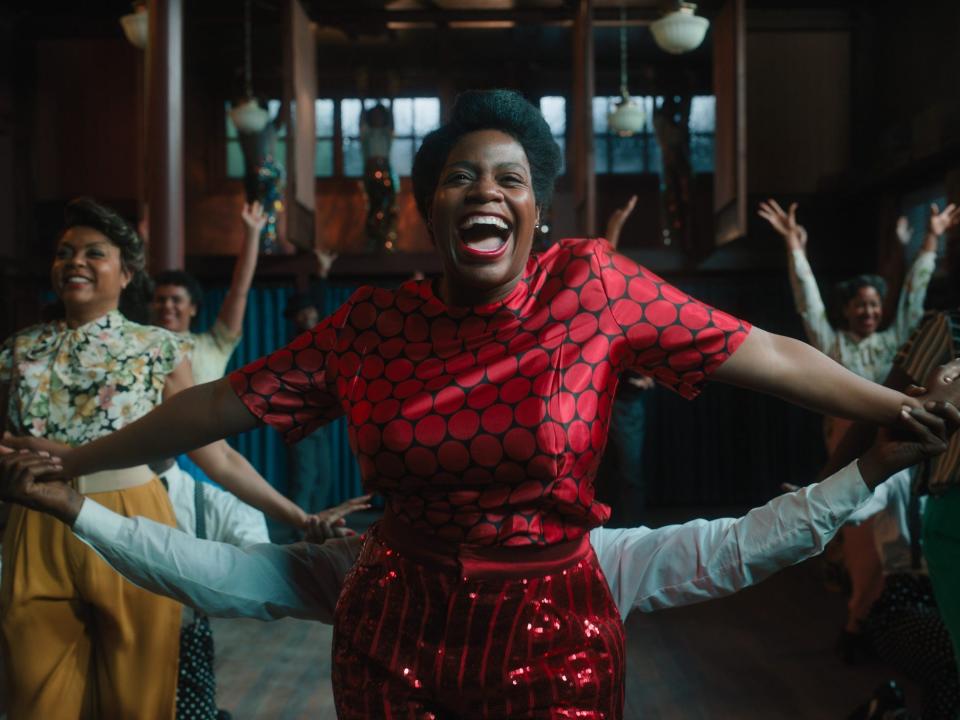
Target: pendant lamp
(247, 115)
(628, 117)
(136, 26)
(680, 31)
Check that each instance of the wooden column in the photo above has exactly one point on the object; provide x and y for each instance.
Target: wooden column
(730, 89)
(299, 96)
(581, 150)
(165, 196)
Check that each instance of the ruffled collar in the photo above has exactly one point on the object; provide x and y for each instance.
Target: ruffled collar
(58, 332)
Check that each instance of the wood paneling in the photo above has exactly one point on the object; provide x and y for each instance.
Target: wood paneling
(86, 133)
(798, 109)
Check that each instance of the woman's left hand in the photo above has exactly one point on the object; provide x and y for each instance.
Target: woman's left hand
(941, 221)
(330, 523)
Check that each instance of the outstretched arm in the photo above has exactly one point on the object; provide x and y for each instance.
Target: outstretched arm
(800, 374)
(265, 582)
(914, 290)
(260, 581)
(684, 564)
(190, 419)
(229, 468)
(235, 303)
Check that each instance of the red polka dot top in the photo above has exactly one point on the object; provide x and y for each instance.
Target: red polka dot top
(485, 425)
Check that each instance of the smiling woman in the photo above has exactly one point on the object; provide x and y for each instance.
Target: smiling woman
(66, 619)
(478, 406)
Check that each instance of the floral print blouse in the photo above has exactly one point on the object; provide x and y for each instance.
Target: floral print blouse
(74, 385)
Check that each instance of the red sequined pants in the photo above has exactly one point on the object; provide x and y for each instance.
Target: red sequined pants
(457, 637)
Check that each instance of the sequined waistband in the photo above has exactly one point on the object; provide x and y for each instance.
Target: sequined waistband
(477, 562)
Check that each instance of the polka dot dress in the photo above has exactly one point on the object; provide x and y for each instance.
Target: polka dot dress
(907, 631)
(196, 684)
(485, 425)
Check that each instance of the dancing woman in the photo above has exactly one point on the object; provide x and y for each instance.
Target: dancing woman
(478, 407)
(860, 346)
(77, 640)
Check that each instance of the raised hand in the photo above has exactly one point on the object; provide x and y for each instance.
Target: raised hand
(785, 223)
(616, 220)
(330, 523)
(325, 260)
(941, 221)
(254, 217)
(904, 231)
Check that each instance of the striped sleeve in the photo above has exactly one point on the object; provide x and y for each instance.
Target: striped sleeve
(930, 345)
(935, 342)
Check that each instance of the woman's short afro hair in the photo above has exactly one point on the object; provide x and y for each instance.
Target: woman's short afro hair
(503, 110)
(847, 290)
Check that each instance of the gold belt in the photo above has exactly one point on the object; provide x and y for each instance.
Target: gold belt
(112, 480)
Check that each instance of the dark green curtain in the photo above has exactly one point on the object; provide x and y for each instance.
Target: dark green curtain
(264, 330)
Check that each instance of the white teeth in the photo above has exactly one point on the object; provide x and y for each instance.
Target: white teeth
(76, 279)
(484, 220)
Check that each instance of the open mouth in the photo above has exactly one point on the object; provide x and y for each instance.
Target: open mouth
(485, 236)
(76, 281)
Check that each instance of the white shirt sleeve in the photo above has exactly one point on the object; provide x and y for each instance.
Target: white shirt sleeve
(806, 297)
(231, 520)
(684, 564)
(881, 496)
(261, 581)
(912, 297)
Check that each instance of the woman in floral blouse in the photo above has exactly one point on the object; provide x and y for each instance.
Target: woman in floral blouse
(77, 639)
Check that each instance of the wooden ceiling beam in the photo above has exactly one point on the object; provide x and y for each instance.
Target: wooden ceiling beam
(562, 16)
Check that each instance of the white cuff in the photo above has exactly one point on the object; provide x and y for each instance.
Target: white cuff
(845, 490)
(95, 524)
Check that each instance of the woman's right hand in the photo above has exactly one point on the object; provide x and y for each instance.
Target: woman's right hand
(942, 384)
(33, 479)
(785, 223)
(59, 450)
(930, 430)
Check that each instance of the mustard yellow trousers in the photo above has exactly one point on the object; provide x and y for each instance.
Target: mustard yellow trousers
(78, 640)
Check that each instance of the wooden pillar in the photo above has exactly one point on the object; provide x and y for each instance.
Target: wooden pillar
(165, 196)
(299, 96)
(581, 151)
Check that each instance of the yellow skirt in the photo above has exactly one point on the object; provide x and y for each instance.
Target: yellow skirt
(78, 640)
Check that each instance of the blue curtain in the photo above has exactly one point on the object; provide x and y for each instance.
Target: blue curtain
(264, 330)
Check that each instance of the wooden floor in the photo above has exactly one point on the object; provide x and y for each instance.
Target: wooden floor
(766, 653)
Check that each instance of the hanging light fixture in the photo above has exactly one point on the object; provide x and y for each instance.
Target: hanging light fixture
(136, 26)
(628, 117)
(247, 115)
(681, 30)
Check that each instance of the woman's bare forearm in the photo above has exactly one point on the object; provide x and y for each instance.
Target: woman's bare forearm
(229, 468)
(802, 375)
(190, 419)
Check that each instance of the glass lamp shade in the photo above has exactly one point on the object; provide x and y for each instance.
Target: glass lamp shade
(136, 27)
(680, 31)
(248, 117)
(628, 117)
